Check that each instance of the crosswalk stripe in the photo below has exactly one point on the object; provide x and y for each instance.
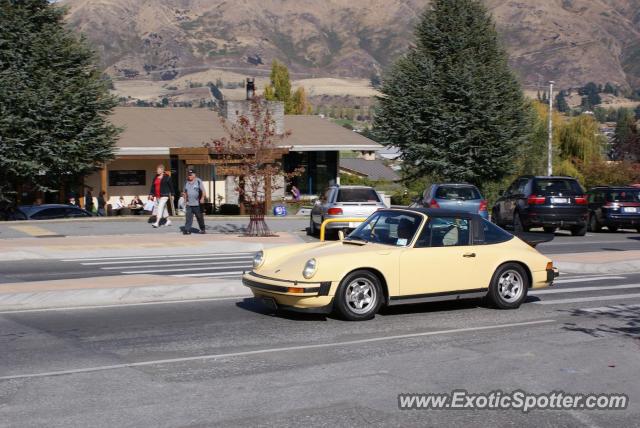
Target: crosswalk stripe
(588, 299)
(137, 272)
(209, 274)
(251, 253)
(595, 278)
(581, 289)
(210, 264)
(168, 260)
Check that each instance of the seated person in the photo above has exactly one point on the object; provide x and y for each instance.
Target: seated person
(136, 206)
(118, 206)
(406, 229)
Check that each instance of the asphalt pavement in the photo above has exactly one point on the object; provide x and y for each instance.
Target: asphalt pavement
(230, 362)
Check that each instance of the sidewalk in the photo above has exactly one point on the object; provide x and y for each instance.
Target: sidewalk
(133, 245)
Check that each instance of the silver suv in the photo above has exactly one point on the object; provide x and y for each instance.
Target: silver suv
(344, 202)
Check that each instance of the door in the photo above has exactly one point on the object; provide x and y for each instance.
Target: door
(443, 259)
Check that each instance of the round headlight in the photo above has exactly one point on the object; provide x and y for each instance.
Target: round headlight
(258, 259)
(310, 268)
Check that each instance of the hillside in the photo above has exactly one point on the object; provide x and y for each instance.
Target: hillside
(571, 41)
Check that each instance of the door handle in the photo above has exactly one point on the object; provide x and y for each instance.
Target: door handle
(469, 255)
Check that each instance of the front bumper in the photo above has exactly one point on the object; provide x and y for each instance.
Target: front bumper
(300, 296)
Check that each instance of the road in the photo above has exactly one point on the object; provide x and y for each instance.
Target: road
(231, 363)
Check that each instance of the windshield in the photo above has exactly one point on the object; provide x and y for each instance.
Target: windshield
(458, 193)
(554, 186)
(395, 228)
(624, 195)
(357, 195)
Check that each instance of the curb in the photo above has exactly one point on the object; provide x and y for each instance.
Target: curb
(119, 296)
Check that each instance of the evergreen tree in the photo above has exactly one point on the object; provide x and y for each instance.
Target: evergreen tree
(451, 104)
(561, 103)
(53, 101)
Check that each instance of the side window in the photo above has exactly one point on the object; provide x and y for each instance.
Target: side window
(49, 213)
(445, 232)
(74, 212)
(512, 189)
(493, 234)
(522, 186)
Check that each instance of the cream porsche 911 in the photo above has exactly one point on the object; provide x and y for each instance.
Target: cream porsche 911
(401, 256)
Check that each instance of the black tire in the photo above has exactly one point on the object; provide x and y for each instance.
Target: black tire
(494, 218)
(638, 229)
(579, 230)
(347, 307)
(594, 224)
(509, 286)
(612, 229)
(518, 226)
(549, 229)
(312, 227)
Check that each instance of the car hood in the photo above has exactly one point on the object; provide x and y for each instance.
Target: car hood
(333, 258)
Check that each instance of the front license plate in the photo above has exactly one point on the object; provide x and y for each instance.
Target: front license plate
(559, 200)
(629, 210)
(270, 303)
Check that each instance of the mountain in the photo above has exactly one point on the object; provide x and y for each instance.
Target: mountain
(570, 41)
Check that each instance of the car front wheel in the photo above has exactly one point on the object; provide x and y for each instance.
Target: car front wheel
(579, 230)
(359, 296)
(509, 286)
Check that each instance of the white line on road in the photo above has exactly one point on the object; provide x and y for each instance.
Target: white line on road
(133, 272)
(595, 278)
(274, 350)
(157, 260)
(588, 299)
(212, 265)
(161, 256)
(580, 289)
(193, 275)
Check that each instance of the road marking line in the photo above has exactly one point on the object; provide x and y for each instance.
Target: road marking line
(122, 305)
(33, 230)
(196, 259)
(587, 299)
(579, 289)
(135, 272)
(210, 264)
(273, 350)
(595, 278)
(195, 275)
(160, 256)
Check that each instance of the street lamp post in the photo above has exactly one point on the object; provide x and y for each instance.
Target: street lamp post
(550, 142)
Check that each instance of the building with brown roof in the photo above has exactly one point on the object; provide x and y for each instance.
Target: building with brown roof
(168, 135)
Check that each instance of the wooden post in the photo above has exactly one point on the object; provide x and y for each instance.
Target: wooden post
(104, 185)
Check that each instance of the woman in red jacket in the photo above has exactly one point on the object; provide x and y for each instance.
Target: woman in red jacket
(161, 189)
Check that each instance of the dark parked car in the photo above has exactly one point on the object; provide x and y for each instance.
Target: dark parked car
(548, 202)
(458, 197)
(614, 208)
(49, 212)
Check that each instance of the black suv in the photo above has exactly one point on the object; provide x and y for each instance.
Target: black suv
(614, 208)
(548, 202)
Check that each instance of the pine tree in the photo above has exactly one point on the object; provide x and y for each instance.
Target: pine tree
(561, 103)
(53, 101)
(451, 104)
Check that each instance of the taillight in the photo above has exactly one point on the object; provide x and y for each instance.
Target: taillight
(334, 211)
(581, 200)
(483, 206)
(434, 204)
(536, 200)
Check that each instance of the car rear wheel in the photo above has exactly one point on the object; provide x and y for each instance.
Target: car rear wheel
(579, 230)
(594, 225)
(612, 228)
(518, 226)
(549, 230)
(313, 231)
(359, 296)
(509, 286)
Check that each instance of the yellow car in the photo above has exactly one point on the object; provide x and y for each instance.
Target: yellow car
(400, 256)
